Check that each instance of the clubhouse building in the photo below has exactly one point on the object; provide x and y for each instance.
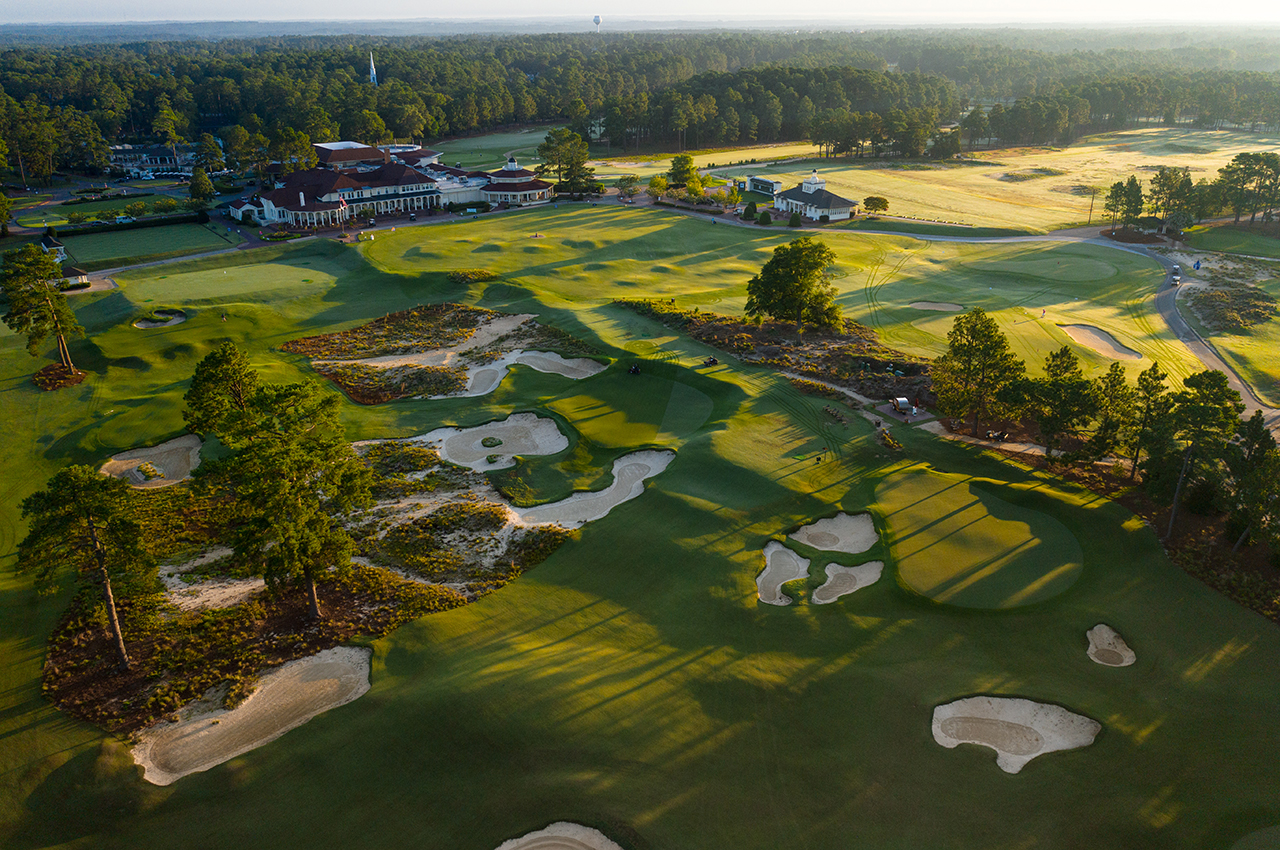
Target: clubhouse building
(356, 181)
(812, 200)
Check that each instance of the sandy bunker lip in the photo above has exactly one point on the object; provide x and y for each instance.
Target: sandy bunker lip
(518, 434)
(1017, 729)
(629, 474)
(841, 581)
(164, 319)
(561, 835)
(781, 565)
(850, 533)
(482, 380)
(156, 466)
(285, 698)
(1106, 647)
(938, 306)
(1100, 341)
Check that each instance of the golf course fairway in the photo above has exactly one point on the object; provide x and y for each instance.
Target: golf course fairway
(634, 682)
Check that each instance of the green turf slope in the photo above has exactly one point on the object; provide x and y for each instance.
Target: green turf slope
(634, 681)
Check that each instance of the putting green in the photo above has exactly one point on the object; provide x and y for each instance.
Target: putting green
(957, 542)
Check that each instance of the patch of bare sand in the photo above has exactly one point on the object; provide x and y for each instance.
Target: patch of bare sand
(485, 334)
(168, 318)
(840, 533)
(518, 434)
(1100, 341)
(841, 581)
(173, 461)
(1106, 647)
(211, 593)
(629, 474)
(939, 306)
(1017, 729)
(781, 565)
(285, 698)
(484, 378)
(561, 836)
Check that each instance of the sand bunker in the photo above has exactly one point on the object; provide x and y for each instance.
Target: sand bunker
(158, 466)
(781, 565)
(518, 434)
(211, 593)
(940, 306)
(562, 836)
(1108, 648)
(166, 318)
(1017, 729)
(629, 474)
(285, 698)
(1100, 341)
(482, 380)
(840, 533)
(841, 581)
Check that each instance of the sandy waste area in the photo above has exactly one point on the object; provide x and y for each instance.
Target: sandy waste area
(174, 461)
(841, 581)
(1100, 341)
(519, 434)
(939, 306)
(561, 836)
(1017, 729)
(629, 474)
(841, 533)
(210, 593)
(1106, 647)
(285, 698)
(781, 565)
(483, 378)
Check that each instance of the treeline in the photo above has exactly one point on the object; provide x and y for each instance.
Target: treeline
(1249, 183)
(773, 104)
(1188, 441)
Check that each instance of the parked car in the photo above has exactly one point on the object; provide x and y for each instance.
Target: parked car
(125, 219)
(373, 223)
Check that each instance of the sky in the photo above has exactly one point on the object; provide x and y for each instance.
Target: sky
(839, 13)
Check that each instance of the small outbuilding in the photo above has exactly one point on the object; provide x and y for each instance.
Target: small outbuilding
(812, 200)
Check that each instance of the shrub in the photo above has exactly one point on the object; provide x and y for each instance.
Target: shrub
(764, 220)
(75, 218)
(165, 205)
(824, 218)
(750, 211)
(794, 220)
(472, 275)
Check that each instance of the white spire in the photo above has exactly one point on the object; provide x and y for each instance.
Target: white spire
(373, 72)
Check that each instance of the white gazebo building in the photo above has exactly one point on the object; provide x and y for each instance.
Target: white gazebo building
(812, 200)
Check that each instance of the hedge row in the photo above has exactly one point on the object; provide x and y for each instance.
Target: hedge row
(73, 201)
(201, 217)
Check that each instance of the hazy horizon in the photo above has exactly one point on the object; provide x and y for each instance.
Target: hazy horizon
(728, 13)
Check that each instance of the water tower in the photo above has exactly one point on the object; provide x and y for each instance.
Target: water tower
(596, 21)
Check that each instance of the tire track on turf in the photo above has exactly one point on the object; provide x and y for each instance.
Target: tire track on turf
(879, 280)
(801, 412)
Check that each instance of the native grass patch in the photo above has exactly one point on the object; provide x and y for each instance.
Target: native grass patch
(852, 357)
(432, 351)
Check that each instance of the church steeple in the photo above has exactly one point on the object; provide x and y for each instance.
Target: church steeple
(373, 72)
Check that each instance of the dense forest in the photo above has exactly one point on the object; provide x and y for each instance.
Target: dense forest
(886, 92)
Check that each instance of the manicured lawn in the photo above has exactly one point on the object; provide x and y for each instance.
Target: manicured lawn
(633, 681)
(490, 151)
(138, 245)
(56, 214)
(1233, 240)
(924, 228)
(609, 164)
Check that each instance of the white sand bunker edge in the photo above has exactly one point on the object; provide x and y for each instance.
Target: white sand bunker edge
(285, 698)
(629, 474)
(210, 593)
(939, 306)
(485, 378)
(841, 533)
(1100, 341)
(1107, 648)
(781, 565)
(561, 835)
(519, 433)
(841, 581)
(170, 318)
(1017, 729)
(174, 460)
